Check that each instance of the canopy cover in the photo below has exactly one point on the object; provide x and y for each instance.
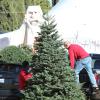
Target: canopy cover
(79, 21)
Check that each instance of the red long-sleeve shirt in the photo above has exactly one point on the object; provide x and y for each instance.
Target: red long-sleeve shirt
(23, 77)
(76, 52)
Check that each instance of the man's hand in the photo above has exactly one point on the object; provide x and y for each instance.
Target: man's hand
(72, 70)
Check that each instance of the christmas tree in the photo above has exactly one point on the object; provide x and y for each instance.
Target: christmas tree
(52, 77)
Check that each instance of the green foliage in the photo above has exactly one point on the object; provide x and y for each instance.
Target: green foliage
(53, 79)
(13, 54)
(12, 12)
(27, 50)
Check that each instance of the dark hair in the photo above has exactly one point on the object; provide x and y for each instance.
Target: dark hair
(25, 64)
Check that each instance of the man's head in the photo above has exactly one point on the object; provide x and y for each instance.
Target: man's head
(67, 44)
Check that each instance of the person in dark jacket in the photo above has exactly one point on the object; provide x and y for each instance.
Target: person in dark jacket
(24, 75)
(80, 59)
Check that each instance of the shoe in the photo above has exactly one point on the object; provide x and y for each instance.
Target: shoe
(95, 90)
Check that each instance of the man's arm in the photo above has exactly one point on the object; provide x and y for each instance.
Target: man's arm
(71, 58)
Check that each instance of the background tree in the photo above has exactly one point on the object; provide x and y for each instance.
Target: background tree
(12, 12)
(53, 79)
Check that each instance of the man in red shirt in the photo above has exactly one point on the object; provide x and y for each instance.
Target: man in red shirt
(80, 59)
(24, 75)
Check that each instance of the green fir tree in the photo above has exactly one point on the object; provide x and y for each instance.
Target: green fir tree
(52, 77)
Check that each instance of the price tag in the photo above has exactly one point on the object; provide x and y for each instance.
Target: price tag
(2, 80)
